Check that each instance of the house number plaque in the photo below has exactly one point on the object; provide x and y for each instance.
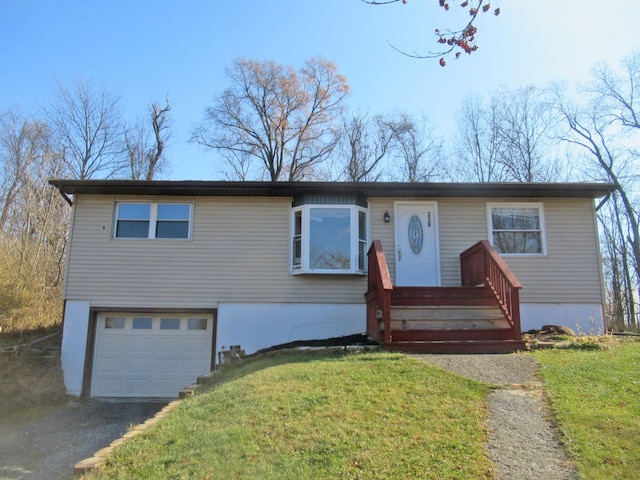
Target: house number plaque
(416, 234)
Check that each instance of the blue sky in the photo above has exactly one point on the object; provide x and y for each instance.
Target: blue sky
(144, 50)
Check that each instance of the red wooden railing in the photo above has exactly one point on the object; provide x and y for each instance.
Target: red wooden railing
(378, 294)
(481, 264)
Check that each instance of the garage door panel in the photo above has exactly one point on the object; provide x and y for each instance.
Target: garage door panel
(169, 344)
(113, 344)
(190, 348)
(139, 345)
(195, 364)
(173, 355)
(109, 367)
(195, 345)
(139, 366)
(149, 362)
(185, 346)
(137, 387)
(169, 366)
(109, 386)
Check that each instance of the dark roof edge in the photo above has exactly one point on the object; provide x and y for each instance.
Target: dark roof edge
(369, 189)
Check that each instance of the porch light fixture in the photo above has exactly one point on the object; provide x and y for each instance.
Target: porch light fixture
(386, 217)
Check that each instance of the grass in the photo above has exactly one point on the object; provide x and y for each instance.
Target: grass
(13, 338)
(381, 416)
(595, 398)
(311, 416)
(30, 305)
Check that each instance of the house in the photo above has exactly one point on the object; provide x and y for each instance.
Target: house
(162, 277)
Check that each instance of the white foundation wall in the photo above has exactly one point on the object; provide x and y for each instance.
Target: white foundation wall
(582, 318)
(74, 344)
(258, 326)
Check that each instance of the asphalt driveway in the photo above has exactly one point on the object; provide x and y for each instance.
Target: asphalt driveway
(46, 442)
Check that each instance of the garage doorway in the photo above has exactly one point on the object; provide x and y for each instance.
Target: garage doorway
(140, 355)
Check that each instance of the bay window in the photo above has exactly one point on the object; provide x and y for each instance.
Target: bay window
(329, 239)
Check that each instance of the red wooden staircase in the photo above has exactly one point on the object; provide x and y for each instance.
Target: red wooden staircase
(481, 316)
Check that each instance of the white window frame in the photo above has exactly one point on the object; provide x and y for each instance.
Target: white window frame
(153, 220)
(355, 241)
(523, 205)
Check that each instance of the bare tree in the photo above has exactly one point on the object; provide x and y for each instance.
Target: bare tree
(418, 151)
(21, 143)
(146, 147)
(285, 119)
(615, 100)
(617, 91)
(34, 223)
(87, 124)
(602, 127)
(477, 142)
(510, 139)
(366, 142)
(526, 124)
(618, 271)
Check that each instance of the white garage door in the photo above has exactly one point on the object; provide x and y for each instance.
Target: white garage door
(138, 355)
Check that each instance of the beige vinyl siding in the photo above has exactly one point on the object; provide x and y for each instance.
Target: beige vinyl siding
(384, 231)
(568, 273)
(239, 252)
(461, 224)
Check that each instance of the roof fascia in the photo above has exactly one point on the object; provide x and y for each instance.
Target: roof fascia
(368, 189)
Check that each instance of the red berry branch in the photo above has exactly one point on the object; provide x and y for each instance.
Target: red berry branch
(456, 41)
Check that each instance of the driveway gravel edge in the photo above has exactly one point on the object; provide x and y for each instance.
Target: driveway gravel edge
(98, 458)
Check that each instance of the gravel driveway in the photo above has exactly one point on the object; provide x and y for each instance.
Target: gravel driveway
(45, 443)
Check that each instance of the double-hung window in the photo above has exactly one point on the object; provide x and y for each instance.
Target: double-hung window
(517, 228)
(329, 239)
(153, 220)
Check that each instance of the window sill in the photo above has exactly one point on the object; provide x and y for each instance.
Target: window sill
(140, 239)
(329, 272)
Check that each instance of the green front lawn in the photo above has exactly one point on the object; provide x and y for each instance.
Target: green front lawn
(595, 397)
(313, 416)
(380, 416)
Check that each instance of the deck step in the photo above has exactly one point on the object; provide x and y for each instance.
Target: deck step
(448, 320)
(399, 291)
(483, 334)
(454, 347)
(455, 318)
(458, 324)
(442, 296)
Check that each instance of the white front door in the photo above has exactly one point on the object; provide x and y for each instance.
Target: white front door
(417, 258)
